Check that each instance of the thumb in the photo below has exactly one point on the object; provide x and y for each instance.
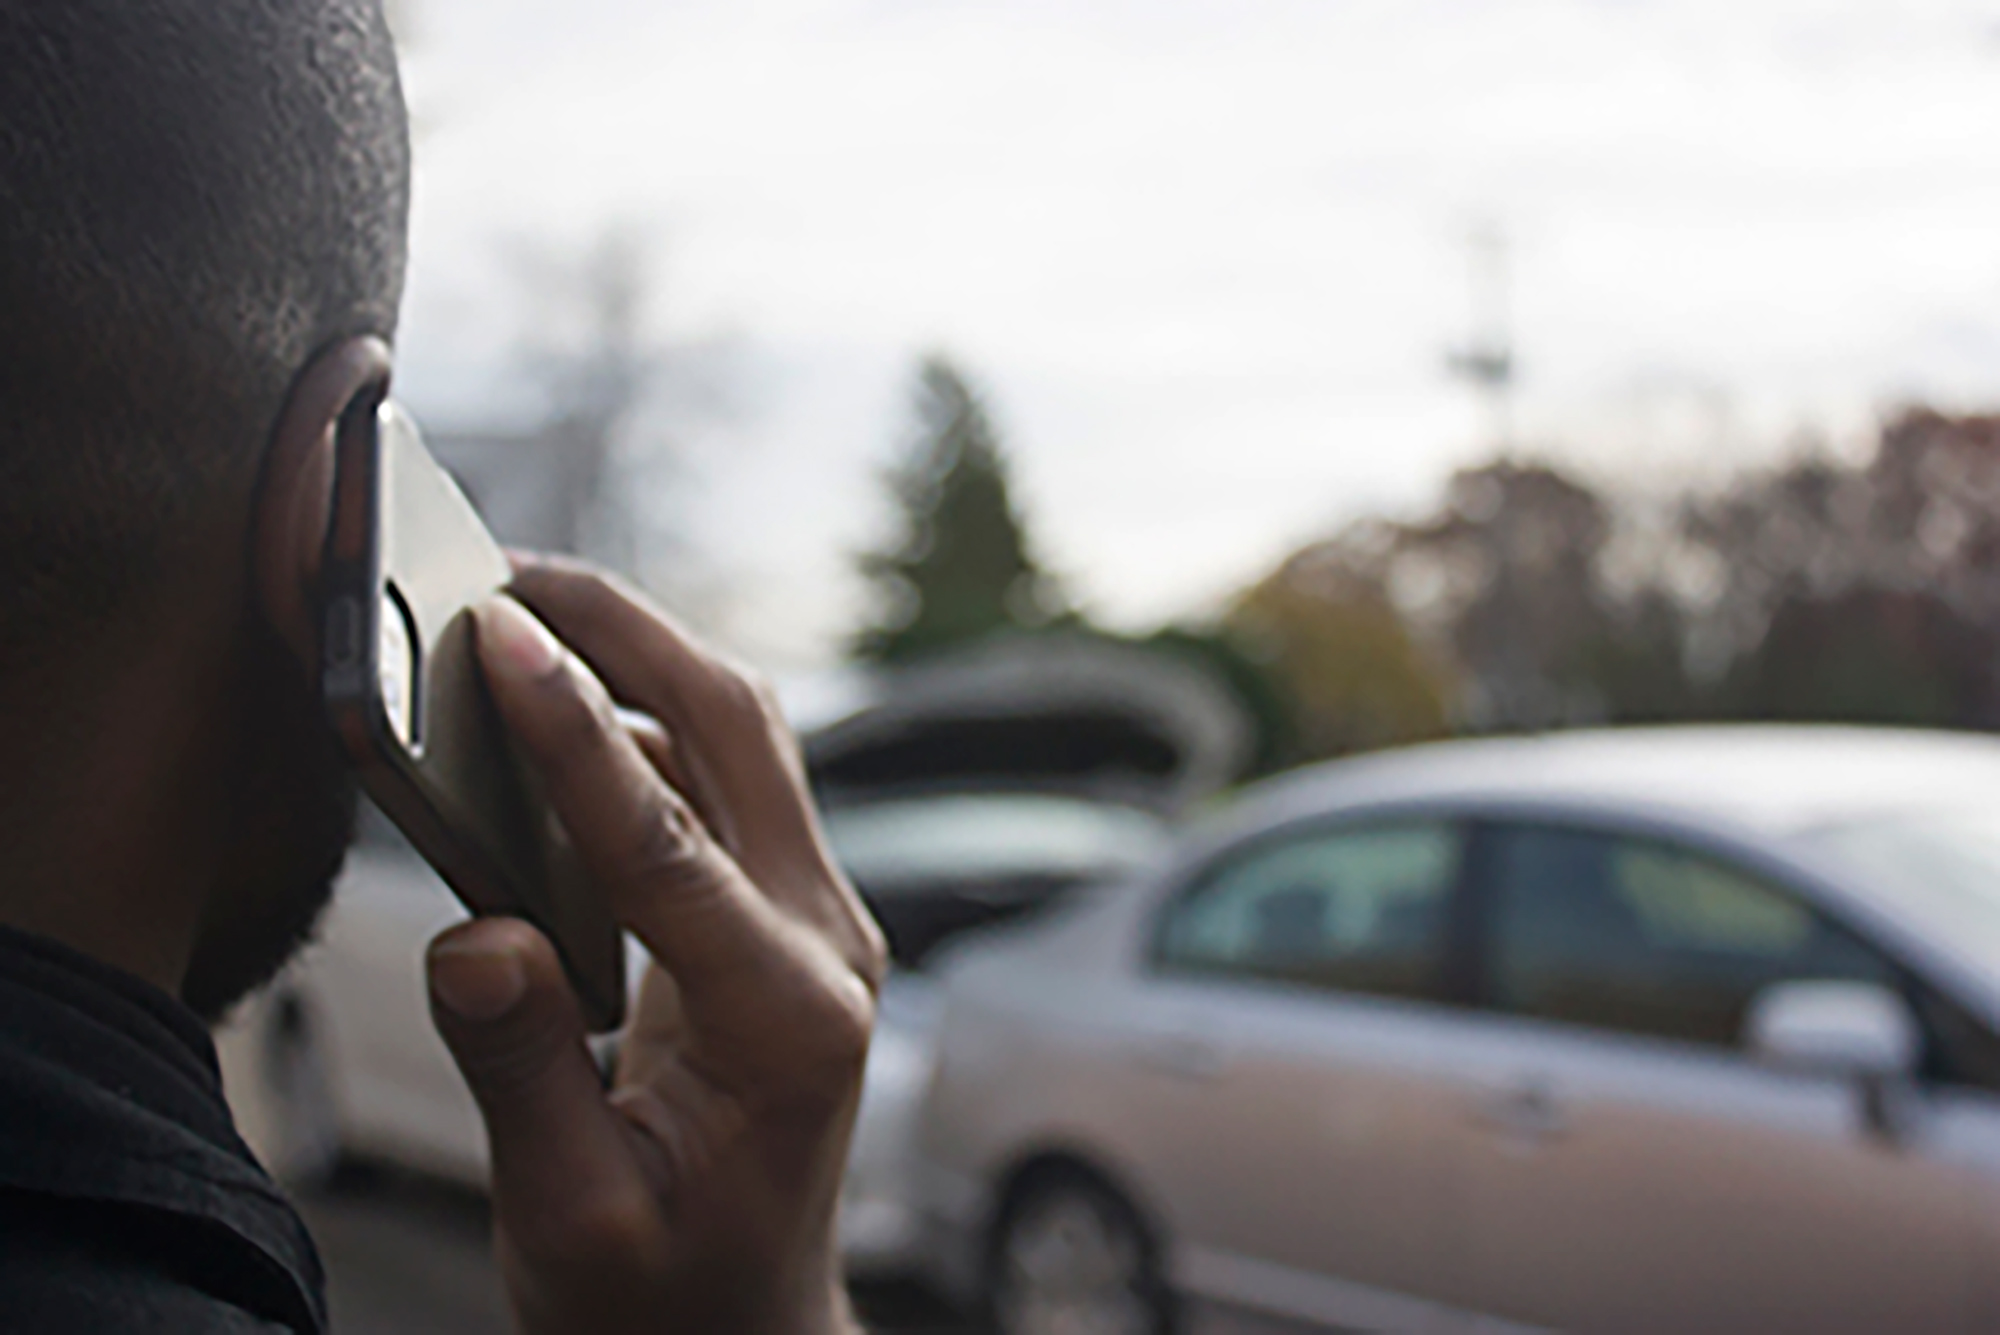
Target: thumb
(503, 1007)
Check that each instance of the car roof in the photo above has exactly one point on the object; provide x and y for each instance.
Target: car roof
(1774, 780)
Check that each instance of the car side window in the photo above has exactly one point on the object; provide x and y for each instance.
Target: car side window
(1646, 937)
(1356, 910)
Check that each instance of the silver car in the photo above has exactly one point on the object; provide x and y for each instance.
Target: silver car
(934, 867)
(1681, 1030)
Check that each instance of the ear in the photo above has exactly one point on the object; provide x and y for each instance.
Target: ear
(295, 492)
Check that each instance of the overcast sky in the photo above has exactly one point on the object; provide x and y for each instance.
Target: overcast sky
(1205, 256)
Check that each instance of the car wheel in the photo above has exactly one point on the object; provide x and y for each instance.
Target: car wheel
(1072, 1258)
(302, 1148)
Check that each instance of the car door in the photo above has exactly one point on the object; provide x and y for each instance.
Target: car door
(1628, 1166)
(1296, 1076)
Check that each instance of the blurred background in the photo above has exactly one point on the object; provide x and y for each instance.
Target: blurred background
(1109, 403)
(1278, 317)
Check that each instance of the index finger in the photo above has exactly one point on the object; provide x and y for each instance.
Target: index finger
(663, 873)
(736, 745)
(643, 655)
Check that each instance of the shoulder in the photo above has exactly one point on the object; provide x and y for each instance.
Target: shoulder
(72, 1265)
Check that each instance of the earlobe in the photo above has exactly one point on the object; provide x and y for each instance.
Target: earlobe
(295, 490)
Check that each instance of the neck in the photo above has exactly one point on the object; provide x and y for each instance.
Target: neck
(112, 801)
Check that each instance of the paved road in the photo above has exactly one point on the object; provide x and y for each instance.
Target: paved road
(410, 1257)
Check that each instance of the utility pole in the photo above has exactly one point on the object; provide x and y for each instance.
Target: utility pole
(1486, 358)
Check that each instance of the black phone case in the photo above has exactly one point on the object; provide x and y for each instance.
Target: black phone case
(407, 558)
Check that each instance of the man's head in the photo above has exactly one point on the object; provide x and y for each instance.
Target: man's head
(196, 197)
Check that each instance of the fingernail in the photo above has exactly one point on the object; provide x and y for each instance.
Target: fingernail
(513, 641)
(476, 981)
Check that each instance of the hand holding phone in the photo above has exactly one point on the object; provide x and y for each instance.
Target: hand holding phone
(699, 1192)
(407, 560)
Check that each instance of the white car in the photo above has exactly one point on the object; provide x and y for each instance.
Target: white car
(338, 1058)
(1678, 1030)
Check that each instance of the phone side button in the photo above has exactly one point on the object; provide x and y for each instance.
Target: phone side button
(343, 634)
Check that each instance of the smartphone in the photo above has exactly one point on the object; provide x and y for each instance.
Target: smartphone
(407, 558)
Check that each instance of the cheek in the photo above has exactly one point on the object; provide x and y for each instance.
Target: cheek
(292, 798)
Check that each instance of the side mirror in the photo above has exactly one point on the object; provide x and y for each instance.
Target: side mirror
(1850, 1031)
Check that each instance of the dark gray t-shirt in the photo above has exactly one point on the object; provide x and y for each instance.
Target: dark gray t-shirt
(127, 1200)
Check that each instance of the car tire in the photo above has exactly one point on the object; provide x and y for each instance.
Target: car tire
(302, 1148)
(1072, 1255)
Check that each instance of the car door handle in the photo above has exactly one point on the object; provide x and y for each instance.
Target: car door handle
(1528, 1111)
(1188, 1056)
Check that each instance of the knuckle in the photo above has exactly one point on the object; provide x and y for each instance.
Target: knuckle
(848, 1039)
(843, 1028)
(736, 692)
(750, 696)
(776, 726)
(856, 932)
(666, 847)
(762, 690)
(783, 738)
(873, 954)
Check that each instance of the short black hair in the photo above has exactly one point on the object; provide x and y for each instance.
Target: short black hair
(195, 196)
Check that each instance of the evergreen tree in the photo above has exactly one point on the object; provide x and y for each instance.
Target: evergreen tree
(958, 567)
